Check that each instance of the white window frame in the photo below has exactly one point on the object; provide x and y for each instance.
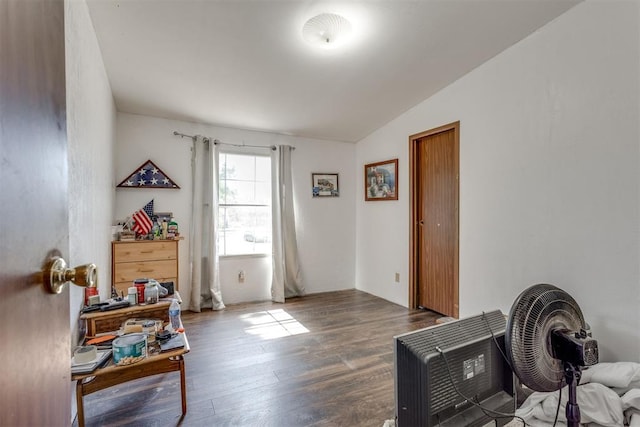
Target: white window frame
(243, 151)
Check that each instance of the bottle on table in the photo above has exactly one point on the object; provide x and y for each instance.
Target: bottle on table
(164, 229)
(174, 315)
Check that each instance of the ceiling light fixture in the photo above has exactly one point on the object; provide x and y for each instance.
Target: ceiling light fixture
(326, 30)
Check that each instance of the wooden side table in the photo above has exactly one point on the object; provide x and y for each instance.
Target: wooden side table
(108, 321)
(111, 375)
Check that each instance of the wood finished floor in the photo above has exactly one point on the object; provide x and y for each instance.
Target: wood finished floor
(320, 360)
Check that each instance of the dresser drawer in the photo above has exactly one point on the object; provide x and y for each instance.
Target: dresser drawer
(144, 251)
(159, 270)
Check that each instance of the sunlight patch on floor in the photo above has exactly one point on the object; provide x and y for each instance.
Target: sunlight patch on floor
(273, 324)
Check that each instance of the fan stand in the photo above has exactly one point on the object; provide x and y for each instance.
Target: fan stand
(572, 375)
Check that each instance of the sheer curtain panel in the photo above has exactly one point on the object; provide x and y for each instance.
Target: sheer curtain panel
(204, 273)
(286, 280)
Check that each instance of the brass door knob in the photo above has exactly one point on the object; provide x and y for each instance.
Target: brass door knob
(56, 274)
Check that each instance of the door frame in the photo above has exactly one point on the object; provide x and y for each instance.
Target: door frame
(413, 222)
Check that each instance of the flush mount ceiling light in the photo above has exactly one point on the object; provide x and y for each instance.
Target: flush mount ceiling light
(326, 30)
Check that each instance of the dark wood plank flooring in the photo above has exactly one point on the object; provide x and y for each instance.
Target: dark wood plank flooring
(320, 360)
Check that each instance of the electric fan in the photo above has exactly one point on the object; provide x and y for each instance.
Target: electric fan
(547, 343)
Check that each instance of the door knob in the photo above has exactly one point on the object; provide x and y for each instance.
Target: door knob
(56, 274)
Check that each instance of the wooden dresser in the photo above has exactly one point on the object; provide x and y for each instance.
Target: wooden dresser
(153, 259)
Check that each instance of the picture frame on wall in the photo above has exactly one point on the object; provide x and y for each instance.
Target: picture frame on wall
(381, 180)
(325, 185)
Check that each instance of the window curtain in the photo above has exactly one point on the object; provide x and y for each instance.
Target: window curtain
(286, 281)
(204, 272)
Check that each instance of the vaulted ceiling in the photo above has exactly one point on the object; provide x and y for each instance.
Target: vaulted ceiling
(245, 64)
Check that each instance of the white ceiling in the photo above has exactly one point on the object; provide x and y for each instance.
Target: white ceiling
(244, 64)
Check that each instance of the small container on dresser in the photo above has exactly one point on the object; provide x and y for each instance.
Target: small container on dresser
(132, 295)
(151, 292)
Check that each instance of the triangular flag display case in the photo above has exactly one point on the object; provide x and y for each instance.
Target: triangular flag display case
(148, 175)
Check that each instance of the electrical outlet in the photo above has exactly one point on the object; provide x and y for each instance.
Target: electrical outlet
(397, 277)
(241, 276)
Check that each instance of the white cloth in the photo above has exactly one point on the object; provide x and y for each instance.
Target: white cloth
(608, 395)
(598, 404)
(204, 271)
(620, 375)
(631, 407)
(287, 279)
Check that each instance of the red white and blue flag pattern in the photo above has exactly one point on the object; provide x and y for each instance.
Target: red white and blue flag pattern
(142, 218)
(148, 175)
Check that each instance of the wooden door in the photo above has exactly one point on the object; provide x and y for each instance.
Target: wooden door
(34, 325)
(435, 216)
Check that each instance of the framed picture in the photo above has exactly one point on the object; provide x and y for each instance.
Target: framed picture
(381, 180)
(325, 185)
(163, 216)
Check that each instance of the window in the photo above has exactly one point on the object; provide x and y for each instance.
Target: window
(244, 216)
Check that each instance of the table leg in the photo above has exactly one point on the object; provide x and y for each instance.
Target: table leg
(79, 403)
(183, 386)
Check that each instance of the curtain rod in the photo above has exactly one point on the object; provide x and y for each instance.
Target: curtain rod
(218, 142)
(183, 135)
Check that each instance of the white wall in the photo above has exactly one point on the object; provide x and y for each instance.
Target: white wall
(91, 119)
(549, 175)
(326, 232)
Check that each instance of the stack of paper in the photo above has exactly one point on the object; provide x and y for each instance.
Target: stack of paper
(84, 368)
(173, 343)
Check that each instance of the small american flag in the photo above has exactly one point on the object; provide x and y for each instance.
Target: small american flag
(143, 222)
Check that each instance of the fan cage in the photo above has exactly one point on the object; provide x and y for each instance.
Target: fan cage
(536, 312)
